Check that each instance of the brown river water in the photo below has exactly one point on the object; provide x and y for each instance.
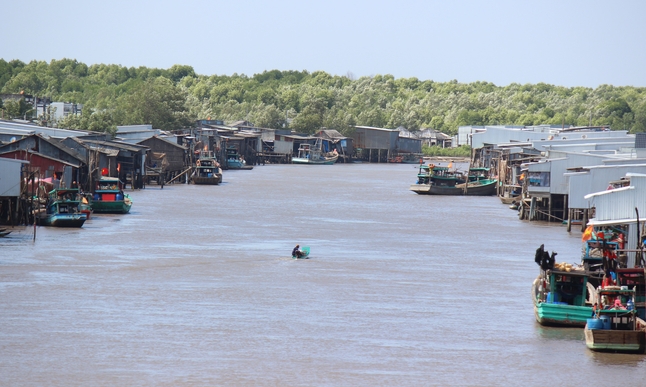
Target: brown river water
(196, 287)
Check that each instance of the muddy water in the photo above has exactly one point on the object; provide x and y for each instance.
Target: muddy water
(196, 287)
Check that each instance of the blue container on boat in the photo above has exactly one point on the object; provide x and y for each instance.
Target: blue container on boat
(595, 323)
(119, 196)
(606, 322)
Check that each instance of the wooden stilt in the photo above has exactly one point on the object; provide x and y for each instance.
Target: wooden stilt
(569, 221)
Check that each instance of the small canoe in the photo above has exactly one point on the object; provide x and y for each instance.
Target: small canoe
(306, 253)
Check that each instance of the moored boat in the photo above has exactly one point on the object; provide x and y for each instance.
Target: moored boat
(62, 209)
(108, 197)
(562, 294)
(441, 180)
(207, 171)
(313, 154)
(235, 161)
(616, 326)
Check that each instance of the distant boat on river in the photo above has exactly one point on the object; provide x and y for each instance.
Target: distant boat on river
(235, 161)
(313, 154)
(440, 180)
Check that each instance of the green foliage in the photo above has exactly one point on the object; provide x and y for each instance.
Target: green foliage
(17, 109)
(156, 101)
(461, 151)
(174, 97)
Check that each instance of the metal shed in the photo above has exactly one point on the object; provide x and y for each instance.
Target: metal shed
(618, 207)
(375, 144)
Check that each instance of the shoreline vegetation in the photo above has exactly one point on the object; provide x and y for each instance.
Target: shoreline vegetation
(303, 101)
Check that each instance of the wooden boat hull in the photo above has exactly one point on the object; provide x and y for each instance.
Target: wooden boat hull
(238, 164)
(609, 340)
(479, 188)
(561, 315)
(326, 161)
(62, 220)
(112, 207)
(508, 200)
(474, 189)
(429, 189)
(213, 180)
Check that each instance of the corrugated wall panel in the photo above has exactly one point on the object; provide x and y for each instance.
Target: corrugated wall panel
(615, 205)
(578, 187)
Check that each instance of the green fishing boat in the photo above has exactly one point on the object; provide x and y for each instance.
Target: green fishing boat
(108, 197)
(562, 294)
(63, 209)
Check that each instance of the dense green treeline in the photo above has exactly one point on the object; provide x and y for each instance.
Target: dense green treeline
(173, 98)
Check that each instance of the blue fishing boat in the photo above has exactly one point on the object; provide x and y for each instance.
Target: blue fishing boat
(235, 161)
(63, 209)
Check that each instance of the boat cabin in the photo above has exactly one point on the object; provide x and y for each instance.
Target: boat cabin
(635, 278)
(108, 189)
(478, 173)
(567, 287)
(64, 201)
(616, 309)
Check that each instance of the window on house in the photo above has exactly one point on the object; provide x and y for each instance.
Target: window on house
(539, 179)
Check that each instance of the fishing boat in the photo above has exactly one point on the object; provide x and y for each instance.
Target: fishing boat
(62, 209)
(617, 325)
(510, 194)
(313, 154)
(207, 171)
(235, 161)
(441, 180)
(562, 294)
(108, 197)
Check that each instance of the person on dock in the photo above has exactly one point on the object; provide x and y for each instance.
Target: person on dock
(297, 252)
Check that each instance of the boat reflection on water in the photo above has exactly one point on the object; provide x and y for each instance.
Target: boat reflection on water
(617, 359)
(559, 333)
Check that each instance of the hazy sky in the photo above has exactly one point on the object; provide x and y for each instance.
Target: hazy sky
(567, 43)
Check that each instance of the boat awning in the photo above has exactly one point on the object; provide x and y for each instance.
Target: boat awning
(594, 222)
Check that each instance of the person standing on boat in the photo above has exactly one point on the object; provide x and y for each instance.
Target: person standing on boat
(297, 252)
